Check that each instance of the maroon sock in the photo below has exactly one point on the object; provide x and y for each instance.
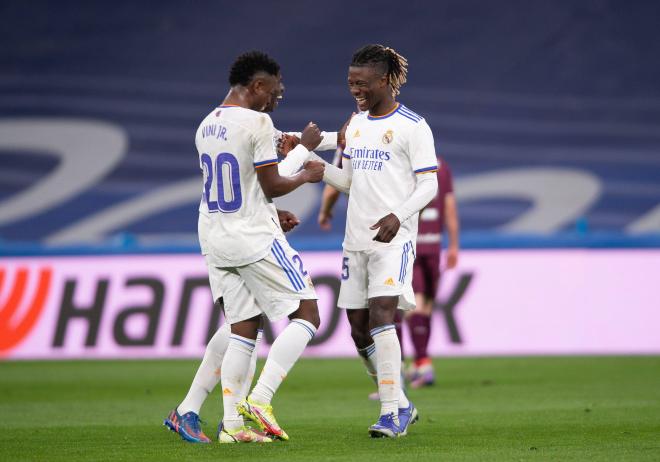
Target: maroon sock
(398, 319)
(420, 331)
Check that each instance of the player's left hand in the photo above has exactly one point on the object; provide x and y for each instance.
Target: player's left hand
(286, 143)
(325, 220)
(387, 228)
(452, 257)
(288, 220)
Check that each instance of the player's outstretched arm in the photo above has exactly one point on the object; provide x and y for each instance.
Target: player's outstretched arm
(338, 178)
(293, 161)
(329, 198)
(298, 152)
(275, 185)
(289, 140)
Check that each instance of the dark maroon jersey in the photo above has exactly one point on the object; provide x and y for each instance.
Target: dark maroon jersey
(432, 218)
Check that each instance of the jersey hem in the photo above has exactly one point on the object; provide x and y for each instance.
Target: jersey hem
(222, 263)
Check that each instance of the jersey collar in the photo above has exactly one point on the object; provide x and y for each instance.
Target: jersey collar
(385, 116)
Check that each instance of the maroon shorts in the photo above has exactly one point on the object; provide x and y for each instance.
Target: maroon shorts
(426, 274)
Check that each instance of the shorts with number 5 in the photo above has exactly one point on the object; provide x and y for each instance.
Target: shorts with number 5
(381, 271)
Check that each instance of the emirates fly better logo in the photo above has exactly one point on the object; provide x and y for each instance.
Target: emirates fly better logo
(20, 308)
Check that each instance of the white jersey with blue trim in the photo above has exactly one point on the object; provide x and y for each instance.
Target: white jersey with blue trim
(233, 142)
(386, 154)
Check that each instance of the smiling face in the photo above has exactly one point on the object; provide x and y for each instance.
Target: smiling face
(276, 96)
(266, 91)
(368, 85)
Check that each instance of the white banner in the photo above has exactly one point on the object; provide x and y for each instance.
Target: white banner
(498, 302)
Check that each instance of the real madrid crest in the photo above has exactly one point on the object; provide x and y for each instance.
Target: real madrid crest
(388, 137)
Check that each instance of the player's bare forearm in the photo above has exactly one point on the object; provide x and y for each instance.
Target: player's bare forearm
(451, 219)
(275, 185)
(330, 196)
(452, 223)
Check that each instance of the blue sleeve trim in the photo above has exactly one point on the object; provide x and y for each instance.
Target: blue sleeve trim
(426, 169)
(410, 114)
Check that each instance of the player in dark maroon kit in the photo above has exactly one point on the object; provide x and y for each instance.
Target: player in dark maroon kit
(440, 212)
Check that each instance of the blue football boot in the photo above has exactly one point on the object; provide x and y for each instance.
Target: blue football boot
(407, 416)
(386, 427)
(186, 425)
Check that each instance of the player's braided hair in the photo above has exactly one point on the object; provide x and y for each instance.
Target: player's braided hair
(248, 64)
(396, 66)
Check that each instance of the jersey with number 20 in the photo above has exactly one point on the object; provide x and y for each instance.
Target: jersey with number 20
(233, 142)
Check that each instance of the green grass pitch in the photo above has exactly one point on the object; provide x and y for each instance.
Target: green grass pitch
(482, 409)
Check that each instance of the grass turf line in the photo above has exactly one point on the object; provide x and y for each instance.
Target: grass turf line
(568, 408)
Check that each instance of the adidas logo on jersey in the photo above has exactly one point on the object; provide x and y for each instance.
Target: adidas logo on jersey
(389, 282)
(357, 133)
(226, 392)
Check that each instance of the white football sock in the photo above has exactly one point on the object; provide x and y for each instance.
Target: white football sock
(253, 365)
(286, 349)
(388, 367)
(368, 355)
(234, 374)
(208, 373)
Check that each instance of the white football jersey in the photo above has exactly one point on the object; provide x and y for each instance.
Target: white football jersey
(233, 142)
(386, 154)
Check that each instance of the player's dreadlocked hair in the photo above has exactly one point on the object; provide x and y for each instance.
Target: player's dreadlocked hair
(248, 64)
(396, 66)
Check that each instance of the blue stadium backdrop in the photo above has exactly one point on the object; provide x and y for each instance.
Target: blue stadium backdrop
(548, 112)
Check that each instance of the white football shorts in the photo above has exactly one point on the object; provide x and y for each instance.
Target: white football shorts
(381, 271)
(272, 286)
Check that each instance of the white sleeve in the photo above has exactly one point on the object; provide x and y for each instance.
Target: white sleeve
(293, 161)
(328, 143)
(339, 178)
(264, 151)
(425, 190)
(422, 149)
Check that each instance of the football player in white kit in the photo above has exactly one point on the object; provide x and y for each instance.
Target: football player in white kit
(389, 150)
(254, 268)
(184, 419)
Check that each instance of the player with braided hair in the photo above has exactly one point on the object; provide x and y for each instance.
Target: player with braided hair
(392, 65)
(389, 151)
